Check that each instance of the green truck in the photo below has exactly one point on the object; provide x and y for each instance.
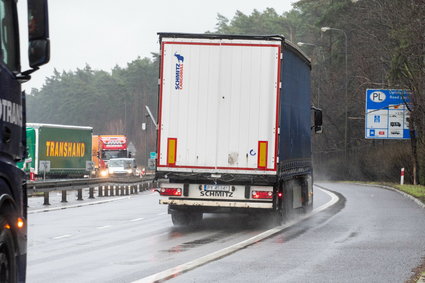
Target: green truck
(57, 151)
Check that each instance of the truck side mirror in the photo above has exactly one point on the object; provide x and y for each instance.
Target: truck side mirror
(318, 120)
(38, 33)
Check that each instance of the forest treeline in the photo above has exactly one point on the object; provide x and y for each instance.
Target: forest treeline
(383, 42)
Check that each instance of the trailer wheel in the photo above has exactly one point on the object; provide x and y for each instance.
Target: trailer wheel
(196, 218)
(180, 218)
(279, 217)
(306, 188)
(7, 252)
(281, 214)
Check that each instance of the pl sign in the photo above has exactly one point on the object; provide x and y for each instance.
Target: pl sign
(387, 116)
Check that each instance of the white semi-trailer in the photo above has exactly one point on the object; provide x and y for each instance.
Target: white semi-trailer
(234, 129)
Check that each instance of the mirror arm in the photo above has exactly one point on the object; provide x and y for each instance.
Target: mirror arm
(30, 71)
(25, 76)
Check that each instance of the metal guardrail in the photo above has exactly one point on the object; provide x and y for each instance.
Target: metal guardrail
(104, 186)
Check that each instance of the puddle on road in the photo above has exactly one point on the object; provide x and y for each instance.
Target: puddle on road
(196, 243)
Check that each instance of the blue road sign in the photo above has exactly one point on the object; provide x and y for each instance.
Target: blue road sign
(387, 116)
(152, 155)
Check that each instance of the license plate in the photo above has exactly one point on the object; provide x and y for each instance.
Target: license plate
(216, 188)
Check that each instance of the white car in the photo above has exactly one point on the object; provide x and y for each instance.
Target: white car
(122, 167)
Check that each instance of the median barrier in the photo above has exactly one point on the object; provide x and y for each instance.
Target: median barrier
(105, 187)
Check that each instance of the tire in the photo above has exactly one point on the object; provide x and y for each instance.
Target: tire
(307, 208)
(196, 218)
(186, 218)
(180, 218)
(7, 253)
(278, 217)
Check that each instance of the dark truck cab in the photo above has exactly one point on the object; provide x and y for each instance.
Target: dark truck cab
(13, 199)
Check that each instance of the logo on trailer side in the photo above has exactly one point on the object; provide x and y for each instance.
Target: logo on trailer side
(179, 71)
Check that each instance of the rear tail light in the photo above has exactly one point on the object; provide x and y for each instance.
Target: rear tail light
(170, 192)
(262, 194)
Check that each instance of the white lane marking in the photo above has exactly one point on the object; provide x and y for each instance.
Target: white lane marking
(136, 219)
(334, 199)
(103, 227)
(163, 213)
(63, 236)
(77, 205)
(174, 271)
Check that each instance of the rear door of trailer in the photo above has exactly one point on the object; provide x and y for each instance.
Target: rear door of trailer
(218, 105)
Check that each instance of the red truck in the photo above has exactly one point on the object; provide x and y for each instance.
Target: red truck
(105, 147)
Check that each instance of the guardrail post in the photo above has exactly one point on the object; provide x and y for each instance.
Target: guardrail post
(80, 194)
(106, 191)
(91, 192)
(127, 191)
(100, 191)
(46, 198)
(112, 191)
(64, 196)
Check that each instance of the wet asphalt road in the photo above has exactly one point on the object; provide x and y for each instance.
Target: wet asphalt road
(370, 235)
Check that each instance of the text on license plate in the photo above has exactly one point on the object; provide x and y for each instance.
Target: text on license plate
(216, 188)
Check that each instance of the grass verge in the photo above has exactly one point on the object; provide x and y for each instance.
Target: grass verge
(414, 190)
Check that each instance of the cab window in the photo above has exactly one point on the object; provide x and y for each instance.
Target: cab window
(8, 33)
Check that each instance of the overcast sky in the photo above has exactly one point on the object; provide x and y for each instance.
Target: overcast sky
(105, 33)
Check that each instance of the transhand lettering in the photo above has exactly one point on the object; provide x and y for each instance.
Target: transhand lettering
(11, 112)
(216, 194)
(65, 149)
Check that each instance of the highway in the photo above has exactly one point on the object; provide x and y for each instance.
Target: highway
(368, 235)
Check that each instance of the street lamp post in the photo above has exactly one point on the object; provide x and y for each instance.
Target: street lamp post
(145, 129)
(325, 29)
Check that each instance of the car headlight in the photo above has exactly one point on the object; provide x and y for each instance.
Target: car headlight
(104, 173)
